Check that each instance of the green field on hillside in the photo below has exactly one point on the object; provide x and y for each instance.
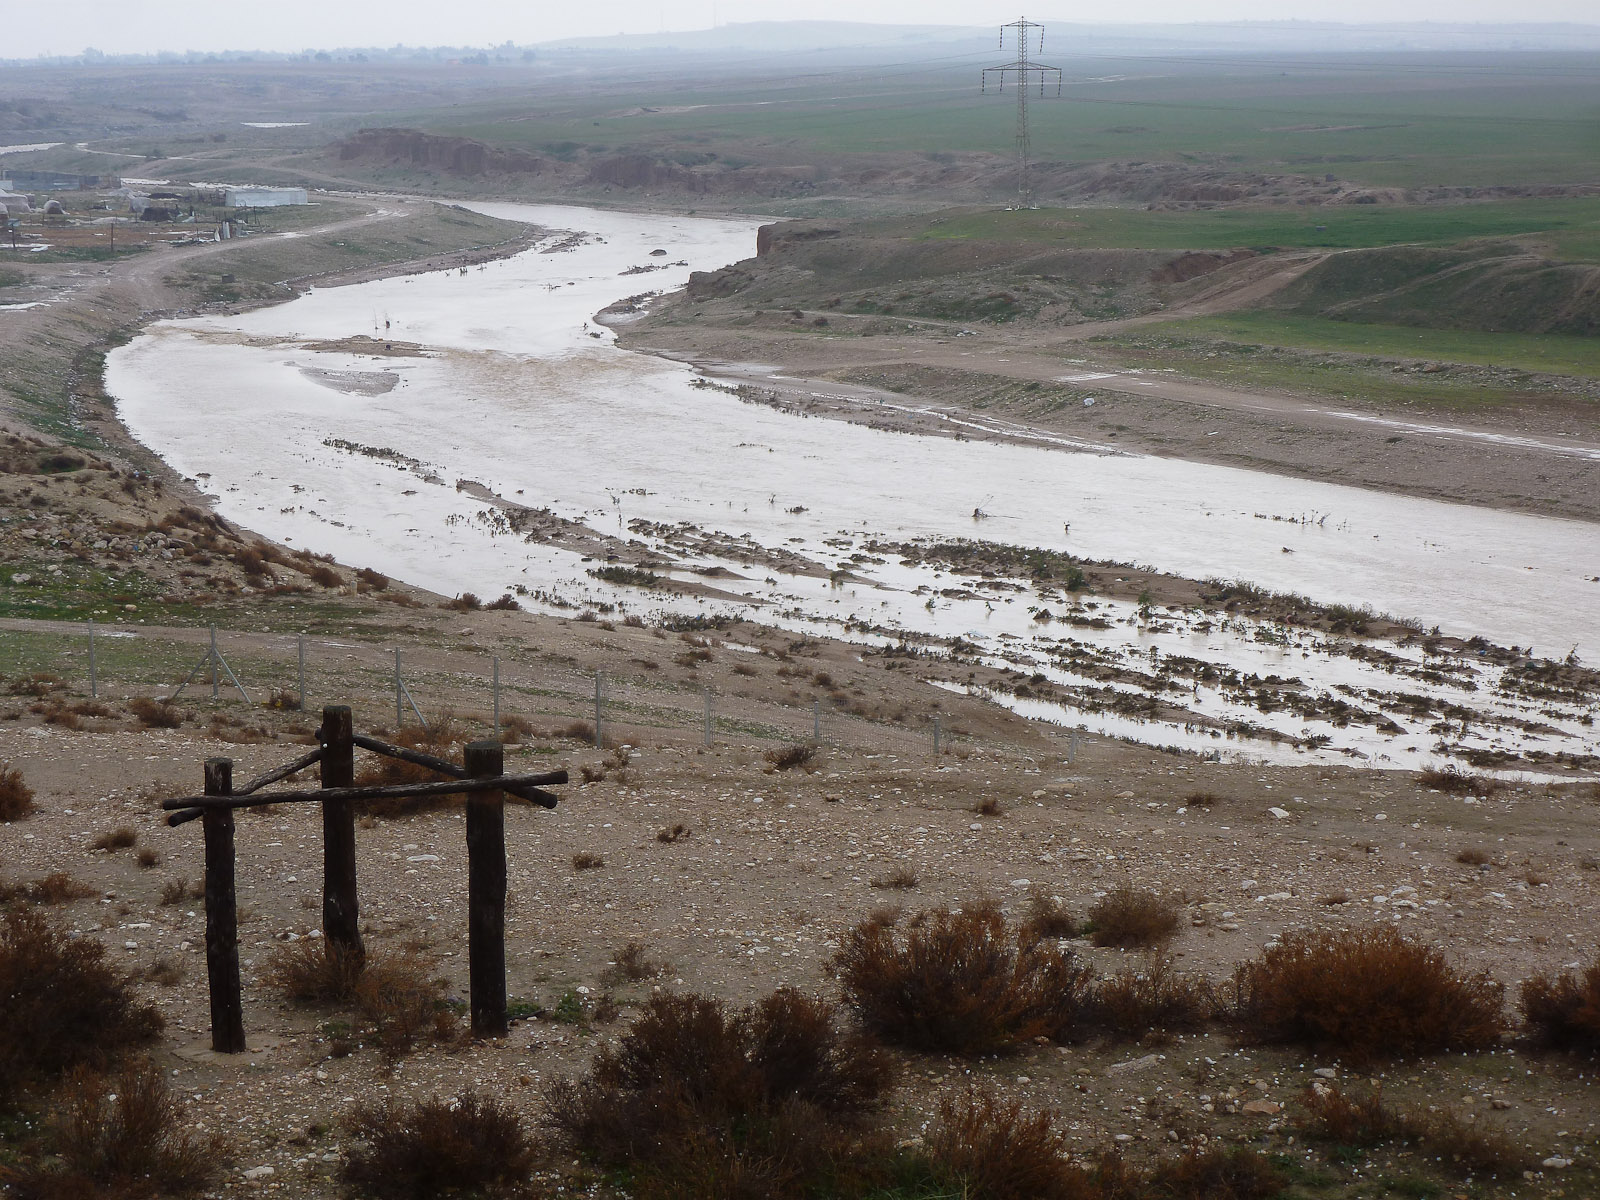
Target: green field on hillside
(1569, 226)
(1386, 120)
(1552, 353)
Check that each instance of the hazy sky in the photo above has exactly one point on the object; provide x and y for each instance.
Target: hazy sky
(34, 27)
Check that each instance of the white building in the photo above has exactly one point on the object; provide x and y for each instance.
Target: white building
(254, 196)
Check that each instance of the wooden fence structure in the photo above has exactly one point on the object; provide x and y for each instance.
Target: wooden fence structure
(480, 777)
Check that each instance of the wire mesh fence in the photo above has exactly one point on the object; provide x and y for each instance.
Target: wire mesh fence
(419, 683)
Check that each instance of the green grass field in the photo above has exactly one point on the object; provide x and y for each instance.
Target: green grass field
(1547, 353)
(1385, 120)
(1570, 226)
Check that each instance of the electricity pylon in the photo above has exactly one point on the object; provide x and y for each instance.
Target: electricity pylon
(1025, 71)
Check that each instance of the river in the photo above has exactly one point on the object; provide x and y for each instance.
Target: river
(312, 440)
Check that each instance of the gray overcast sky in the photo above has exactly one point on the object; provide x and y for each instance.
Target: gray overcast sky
(34, 27)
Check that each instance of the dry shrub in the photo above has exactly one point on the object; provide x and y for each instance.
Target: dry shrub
(629, 965)
(1130, 916)
(16, 797)
(64, 1006)
(283, 700)
(1365, 1121)
(155, 714)
(988, 807)
(515, 729)
(123, 837)
(1133, 1003)
(369, 579)
(992, 1151)
(797, 754)
(1563, 1013)
(466, 602)
(442, 739)
(324, 576)
(174, 891)
(506, 603)
(960, 982)
(1201, 799)
(147, 858)
(1473, 857)
(1365, 993)
(1216, 1174)
(899, 879)
(697, 1101)
(674, 835)
(1455, 781)
(472, 1145)
(397, 999)
(120, 1137)
(58, 887)
(1048, 917)
(586, 860)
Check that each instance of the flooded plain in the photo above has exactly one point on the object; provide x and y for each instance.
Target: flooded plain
(477, 431)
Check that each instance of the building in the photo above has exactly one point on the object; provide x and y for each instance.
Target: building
(254, 196)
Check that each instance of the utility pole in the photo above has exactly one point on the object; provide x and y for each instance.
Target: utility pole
(1026, 71)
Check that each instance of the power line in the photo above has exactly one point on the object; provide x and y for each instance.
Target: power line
(1025, 71)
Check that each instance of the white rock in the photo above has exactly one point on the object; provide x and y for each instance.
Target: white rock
(1279, 813)
(1556, 1163)
(259, 1172)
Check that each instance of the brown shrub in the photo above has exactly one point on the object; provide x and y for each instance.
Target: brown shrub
(64, 1007)
(1133, 1003)
(900, 878)
(1365, 993)
(372, 580)
(629, 964)
(797, 754)
(1473, 857)
(1457, 782)
(506, 603)
(472, 1145)
(1130, 916)
(586, 860)
(960, 982)
(16, 797)
(1048, 917)
(155, 714)
(324, 576)
(515, 729)
(992, 1151)
(695, 1101)
(1365, 1121)
(1215, 1174)
(1201, 799)
(123, 837)
(40, 683)
(466, 602)
(394, 994)
(1563, 1012)
(120, 1137)
(988, 807)
(674, 835)
(147, 858)
(442, 739)
(58, 887)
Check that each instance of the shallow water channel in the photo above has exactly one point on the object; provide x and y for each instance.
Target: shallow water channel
(416, 462)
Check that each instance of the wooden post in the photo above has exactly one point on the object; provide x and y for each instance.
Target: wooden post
(340, 910)
(486, 892)
(222, 916)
